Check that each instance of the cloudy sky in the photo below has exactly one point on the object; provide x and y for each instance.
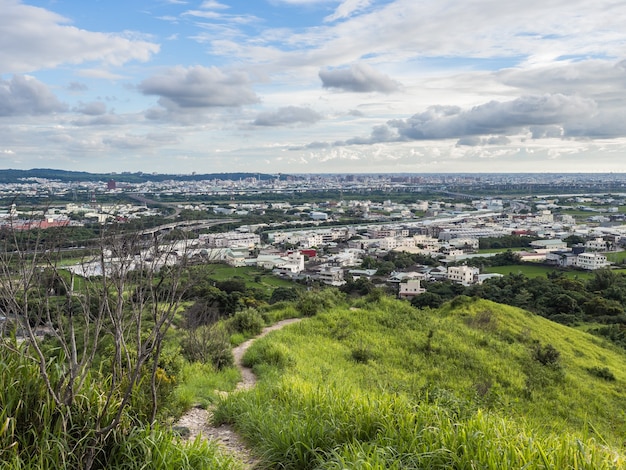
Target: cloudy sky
(313, 86)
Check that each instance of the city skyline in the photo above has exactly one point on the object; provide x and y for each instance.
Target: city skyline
(302, 86)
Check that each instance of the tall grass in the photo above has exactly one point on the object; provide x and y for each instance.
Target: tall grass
(200, 384)
(389, 386)
(35, 433)
(299, 425)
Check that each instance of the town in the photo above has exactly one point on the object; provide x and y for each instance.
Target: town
(332, 241)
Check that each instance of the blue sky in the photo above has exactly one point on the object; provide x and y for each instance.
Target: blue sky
(323, 86)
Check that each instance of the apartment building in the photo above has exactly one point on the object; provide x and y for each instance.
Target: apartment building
(465, 275)
(591, 261)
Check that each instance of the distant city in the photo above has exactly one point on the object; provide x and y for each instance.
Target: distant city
(44, 183)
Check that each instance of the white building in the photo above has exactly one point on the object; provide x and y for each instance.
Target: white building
(293, 264)
(597, 244)
(544, 246)
(410, 289)
(426, 242)
(388, 243)
(465, 275)
(315, 215)
(331, 275)
(563, 259)
(465, 243)
(591, 261)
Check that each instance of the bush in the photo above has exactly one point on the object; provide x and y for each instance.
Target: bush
(602, 373)
(311, 303)
(282, 294)
(267, 353)
(547, 355)
(248, 321)
(362, 354)
(209, 343)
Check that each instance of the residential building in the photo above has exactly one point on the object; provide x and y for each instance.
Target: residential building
(597, 244)
(465, 275)
(591, 261)
(548, 245)
(331, 275)
(410, 289)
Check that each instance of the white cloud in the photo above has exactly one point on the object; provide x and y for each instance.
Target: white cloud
(27, 96)
(359, 78)
(199, 87)
(290, 115)
(213, 5)
(33, 38)
(347, 8)
(94, 108)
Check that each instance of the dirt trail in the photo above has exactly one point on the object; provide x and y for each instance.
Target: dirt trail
(198, 420)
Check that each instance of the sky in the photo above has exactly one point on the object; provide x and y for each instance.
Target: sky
(313, 86)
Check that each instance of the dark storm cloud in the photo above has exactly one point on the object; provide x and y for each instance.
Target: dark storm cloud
(288, 115)
(182, 89)
(27, 96)
(359, 78)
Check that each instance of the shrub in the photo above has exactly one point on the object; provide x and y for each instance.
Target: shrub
(312, 303)
(248, 321)
(267, 353)
(602, 373)
(547, 355)
(209, 343)
(282, 294)
(362, 354)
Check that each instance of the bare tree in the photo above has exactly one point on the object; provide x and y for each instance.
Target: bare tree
(125, 294)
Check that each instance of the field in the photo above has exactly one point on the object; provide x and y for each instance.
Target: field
(541, 271)
(252, 276)
(498, 250)
(616, 257)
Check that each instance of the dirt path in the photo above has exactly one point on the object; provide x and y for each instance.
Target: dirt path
(198, 420)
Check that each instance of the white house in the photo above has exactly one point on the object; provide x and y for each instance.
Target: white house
(410, 289)
(597, 244)
(591, 261)
(331, 275)
(465, 275)
(563, 259)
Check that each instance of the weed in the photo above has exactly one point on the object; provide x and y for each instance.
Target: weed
(362, 354)
(602, 372)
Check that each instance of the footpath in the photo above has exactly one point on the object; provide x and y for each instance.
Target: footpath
(198, 420)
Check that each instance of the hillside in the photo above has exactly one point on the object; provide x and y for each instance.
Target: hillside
(474, 384)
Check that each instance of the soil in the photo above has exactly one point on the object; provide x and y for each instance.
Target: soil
(197, 421)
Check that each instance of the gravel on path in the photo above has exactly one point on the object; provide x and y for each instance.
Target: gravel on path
(198, 420)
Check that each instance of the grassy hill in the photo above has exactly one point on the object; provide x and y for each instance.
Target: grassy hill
(471, 385)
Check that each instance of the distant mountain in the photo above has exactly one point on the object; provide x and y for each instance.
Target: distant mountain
(12, 176)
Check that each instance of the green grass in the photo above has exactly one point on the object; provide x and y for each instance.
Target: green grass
(536, 271)
(532, 271)
(222, 272)
(616, 256)
(37, 434)
(499, 250)
(200, 384)
(389, 386)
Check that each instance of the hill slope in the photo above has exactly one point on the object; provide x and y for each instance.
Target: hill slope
(473, 381)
